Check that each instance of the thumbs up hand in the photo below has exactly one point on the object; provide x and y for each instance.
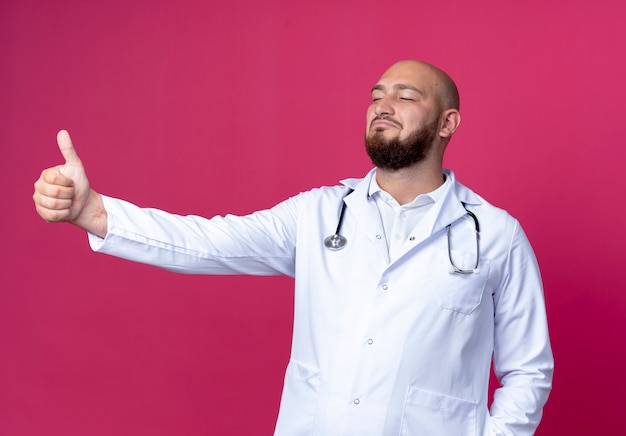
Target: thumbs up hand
(62, 193)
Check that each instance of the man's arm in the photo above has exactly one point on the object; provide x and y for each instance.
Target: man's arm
(523, 361)
(62, 193)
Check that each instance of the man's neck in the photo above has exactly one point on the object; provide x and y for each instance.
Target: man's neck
(406, 184)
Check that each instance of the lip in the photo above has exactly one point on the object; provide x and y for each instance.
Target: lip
(378, 123)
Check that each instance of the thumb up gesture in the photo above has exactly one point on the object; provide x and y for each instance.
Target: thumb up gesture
(62, 192)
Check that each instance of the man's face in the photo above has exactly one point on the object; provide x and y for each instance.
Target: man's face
(402, 121)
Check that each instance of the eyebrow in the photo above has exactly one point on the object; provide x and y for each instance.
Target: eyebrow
(399, 87)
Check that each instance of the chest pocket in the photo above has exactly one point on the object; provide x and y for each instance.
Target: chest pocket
(461, 293)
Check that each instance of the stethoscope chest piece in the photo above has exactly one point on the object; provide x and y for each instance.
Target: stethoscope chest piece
(335, 242)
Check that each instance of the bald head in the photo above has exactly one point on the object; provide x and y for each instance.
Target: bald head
(438, 80)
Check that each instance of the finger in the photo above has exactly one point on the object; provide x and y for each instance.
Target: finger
(53, 204)
(52, 209)
(50, 215)
(54, 190)
(54, 176)
(67, 148)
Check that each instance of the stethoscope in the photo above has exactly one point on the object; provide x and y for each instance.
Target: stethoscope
(337, 241)
(453, 267)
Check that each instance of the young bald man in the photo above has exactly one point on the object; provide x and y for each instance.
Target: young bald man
(400, 314)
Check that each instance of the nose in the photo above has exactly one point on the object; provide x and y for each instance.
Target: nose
(383, 106)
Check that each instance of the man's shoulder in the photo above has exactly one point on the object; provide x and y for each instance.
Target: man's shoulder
(480, 204)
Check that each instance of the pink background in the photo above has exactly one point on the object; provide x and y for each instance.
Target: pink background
(212, 107)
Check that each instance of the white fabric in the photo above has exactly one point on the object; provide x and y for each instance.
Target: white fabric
(400, 220)
(380, 347)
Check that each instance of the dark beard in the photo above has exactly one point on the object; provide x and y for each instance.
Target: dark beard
(396, 153)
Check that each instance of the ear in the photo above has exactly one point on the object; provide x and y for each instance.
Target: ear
(450, 120)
